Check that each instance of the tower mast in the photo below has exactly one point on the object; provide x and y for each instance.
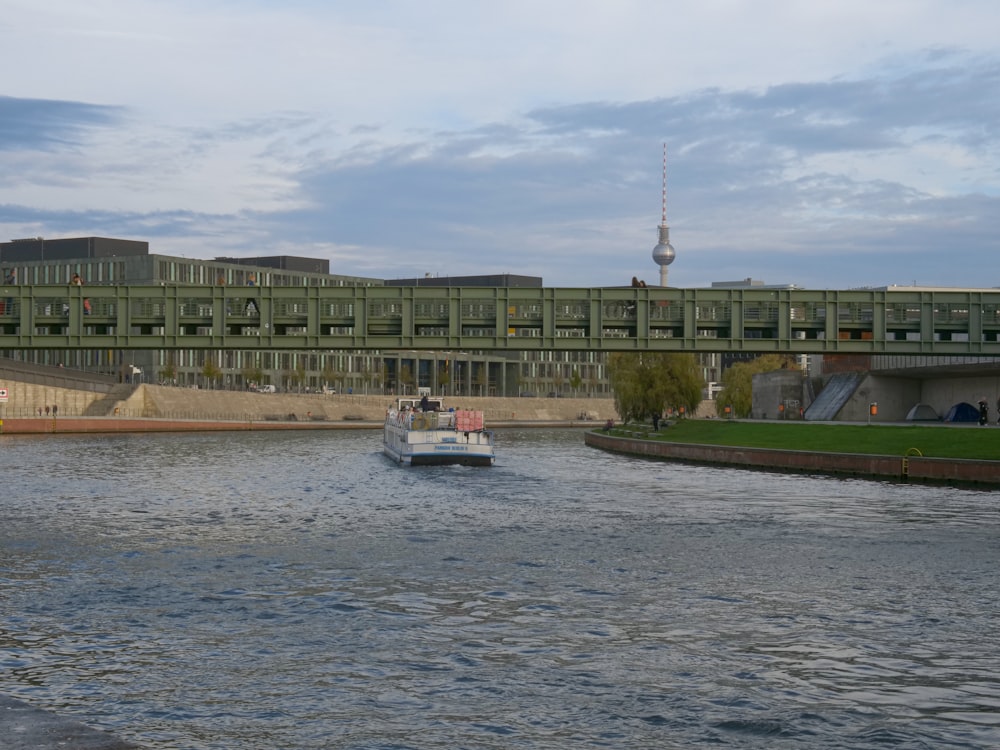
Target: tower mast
(663, 253)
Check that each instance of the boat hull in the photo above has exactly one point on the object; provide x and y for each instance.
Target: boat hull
(422, 442)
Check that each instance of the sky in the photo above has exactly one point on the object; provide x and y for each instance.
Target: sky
(830, 144)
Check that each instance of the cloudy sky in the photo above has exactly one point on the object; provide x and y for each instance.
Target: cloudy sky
(823, 143)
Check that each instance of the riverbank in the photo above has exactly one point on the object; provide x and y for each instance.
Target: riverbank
(109, 425)
(914, 467)
(27, 400)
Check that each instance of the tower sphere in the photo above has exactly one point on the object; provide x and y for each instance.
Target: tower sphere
(663, 253)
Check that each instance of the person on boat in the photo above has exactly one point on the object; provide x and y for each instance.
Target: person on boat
(424, 403)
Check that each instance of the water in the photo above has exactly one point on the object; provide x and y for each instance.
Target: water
(297, 590)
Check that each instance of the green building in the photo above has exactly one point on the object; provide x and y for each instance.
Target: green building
(102, 260)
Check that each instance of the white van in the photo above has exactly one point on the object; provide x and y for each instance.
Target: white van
(268, 389)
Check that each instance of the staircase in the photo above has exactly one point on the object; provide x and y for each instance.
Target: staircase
(104, 407)
(834, 395)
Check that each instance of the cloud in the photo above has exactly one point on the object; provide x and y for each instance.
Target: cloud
(472, 139)
(800, 172)
(39, 125)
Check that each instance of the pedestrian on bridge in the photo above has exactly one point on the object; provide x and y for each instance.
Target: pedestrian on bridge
(251, 303)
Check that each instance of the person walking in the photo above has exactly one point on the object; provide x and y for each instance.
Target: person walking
(10, 279)
(251, 302)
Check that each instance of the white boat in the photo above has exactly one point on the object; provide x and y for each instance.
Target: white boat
(436, 437)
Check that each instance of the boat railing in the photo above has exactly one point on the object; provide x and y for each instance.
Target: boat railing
(461, 420)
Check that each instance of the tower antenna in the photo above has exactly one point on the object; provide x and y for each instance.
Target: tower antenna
(663, 221)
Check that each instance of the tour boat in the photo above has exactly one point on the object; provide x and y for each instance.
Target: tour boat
(435, 437)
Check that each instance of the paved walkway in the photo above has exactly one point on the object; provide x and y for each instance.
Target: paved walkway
(23, 727)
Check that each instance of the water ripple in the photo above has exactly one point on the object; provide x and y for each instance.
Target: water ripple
(306, 593)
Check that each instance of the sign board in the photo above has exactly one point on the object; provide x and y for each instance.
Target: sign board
(3, 395)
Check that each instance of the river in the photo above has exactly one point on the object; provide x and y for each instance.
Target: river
(297, 590)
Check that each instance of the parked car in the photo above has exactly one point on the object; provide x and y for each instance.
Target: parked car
(268, 389)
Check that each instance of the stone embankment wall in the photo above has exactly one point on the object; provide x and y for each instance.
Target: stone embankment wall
(164, 402)
(854, 464)
(183, 403)
(25, 399)
(79, 396)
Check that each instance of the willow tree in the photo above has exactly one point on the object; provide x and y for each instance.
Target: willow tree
(737, 381)
(648, 383)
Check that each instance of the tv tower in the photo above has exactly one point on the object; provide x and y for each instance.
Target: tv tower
(663, 253)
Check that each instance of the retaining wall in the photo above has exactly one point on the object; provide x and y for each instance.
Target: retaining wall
(889, 467)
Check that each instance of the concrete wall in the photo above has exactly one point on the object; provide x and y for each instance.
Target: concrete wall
(31, 386)
(894, 396)
(182, 403)
(24, 399)
(187, 403)
(893, 467)
(786, 388)
(942, 394)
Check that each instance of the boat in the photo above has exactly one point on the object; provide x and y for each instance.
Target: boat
(432, 436)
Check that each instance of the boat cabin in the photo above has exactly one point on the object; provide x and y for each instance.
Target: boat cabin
(413, 403)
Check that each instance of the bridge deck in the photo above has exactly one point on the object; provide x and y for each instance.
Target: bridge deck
(481, 318)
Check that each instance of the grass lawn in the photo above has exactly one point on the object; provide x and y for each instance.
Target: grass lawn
(937, 441)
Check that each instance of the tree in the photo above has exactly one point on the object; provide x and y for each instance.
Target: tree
(737, 381)
(329, 375)
(575, 381)
(367, 377)
(558, 381)
(406, 379)
(648, 383)
(252, 375)
(168, 372)
(210, 372)
(444, 376)
(481, 379)
(297, 377)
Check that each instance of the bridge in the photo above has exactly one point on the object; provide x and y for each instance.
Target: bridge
(604, 319)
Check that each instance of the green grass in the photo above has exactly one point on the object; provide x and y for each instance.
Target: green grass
(938, 441)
